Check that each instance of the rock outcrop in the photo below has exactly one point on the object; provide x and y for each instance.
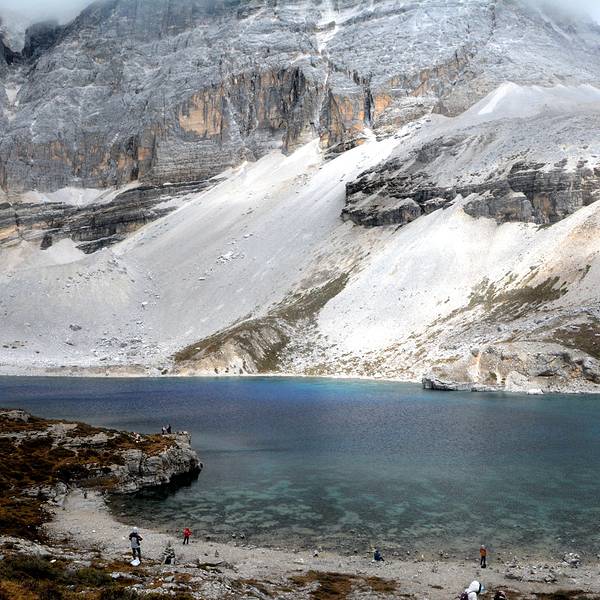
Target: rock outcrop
(516, 367)
(43, 459)
(175, 464)
(506, 180)
(39, 38)
(95, 225)
(258, 345)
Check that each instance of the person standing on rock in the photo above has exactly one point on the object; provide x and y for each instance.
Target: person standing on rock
(483, 557)
(169, 429)
(135, 538)
(186, 535)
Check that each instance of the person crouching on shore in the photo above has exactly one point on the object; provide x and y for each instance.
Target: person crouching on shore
(135, 538)
(472, 591)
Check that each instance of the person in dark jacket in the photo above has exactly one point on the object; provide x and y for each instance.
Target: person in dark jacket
(377, 556)
(135, 538)
(169, 554)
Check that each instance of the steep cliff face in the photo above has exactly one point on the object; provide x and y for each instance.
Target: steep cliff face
(156, 91)
(180, 90)
(237, 160)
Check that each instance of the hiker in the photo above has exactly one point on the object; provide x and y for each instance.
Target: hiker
(135, 538)
(377, 556)
(169, 428)
(471, 592)
(163, 430)
(482, 557)
(186, 536)
(169, 554)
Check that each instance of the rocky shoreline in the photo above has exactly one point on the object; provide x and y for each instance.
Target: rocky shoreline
(208, 569)
(435, 380)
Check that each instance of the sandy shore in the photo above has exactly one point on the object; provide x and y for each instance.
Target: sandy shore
(86, 523)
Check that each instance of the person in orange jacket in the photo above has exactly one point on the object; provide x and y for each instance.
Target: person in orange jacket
(483, 557)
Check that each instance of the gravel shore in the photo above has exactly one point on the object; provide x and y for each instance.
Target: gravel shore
(87, 524)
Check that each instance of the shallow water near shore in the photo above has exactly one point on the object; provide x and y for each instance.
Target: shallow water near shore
(344, 464)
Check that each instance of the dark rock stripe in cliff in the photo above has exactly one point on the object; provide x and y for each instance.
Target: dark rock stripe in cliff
(530, 193)
(93, 227)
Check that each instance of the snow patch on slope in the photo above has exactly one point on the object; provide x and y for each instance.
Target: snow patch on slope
(72, 196)
(510, 100)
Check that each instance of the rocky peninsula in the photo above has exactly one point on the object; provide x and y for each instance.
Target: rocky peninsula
(44, 460)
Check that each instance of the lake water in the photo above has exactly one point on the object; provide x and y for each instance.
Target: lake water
(345, 464)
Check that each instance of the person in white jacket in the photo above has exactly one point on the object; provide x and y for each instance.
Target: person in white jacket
(474, 589)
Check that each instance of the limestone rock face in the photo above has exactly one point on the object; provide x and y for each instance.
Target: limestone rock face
(143, 471)
(180, 90)
(154, 91)
(515, 367)
(93, 226)
(39, 38)
(503, 174)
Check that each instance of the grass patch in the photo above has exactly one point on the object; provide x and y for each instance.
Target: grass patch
(382, 586)
(331, 586)
(33, 578)
(263, 340)
(584, 337)
(339, 586)
(504, 305)
(259, 339)
(515, 303)
(92, 577)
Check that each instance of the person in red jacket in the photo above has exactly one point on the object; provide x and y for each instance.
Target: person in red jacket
(186, 535)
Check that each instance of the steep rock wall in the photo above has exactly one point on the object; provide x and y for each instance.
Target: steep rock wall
(180, 90)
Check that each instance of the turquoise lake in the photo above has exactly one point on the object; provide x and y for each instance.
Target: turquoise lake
(346, 464)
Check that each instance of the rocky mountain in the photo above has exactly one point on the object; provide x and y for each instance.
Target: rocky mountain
(378, 188)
